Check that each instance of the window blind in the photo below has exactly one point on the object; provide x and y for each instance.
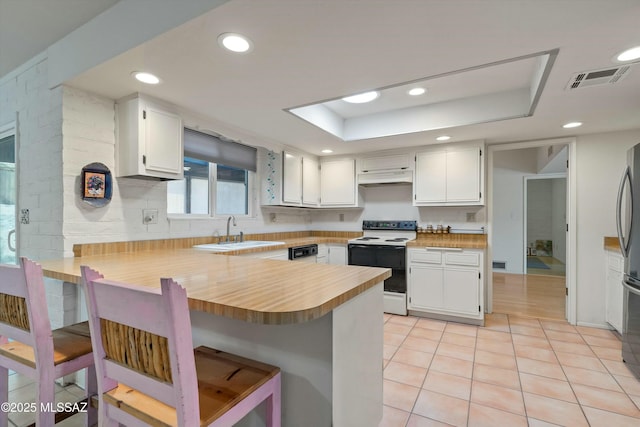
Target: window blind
(212, 149)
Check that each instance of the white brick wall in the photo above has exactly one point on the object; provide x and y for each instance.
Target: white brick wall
(39, 156)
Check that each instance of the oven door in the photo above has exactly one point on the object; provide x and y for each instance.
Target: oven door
(393, 257)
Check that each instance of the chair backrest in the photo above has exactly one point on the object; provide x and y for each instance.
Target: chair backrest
(141, 337)
(23, 309)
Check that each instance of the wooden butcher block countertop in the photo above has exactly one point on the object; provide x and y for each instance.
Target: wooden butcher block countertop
(249, 289)
(450, 240)
(611, 244)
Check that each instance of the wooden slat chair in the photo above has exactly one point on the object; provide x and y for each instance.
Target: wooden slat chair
(148, 372)
(29, 346)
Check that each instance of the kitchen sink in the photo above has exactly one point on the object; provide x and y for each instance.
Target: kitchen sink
(234, 246)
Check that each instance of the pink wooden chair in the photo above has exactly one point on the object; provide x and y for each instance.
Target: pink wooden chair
(30, 347)
(148, 372)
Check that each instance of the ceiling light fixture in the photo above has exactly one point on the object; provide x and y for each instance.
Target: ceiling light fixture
(147, 78)
(361, 98)
(416, 91)
(327, 151)
(235, 42)
(629, 55)
(443, 138)
(572, 125)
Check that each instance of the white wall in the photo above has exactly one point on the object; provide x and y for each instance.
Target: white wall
(39, 156)
(389, 202)
(600, 161)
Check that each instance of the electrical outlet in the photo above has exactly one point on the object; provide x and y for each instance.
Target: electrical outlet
(149, 216)
(471, 216)
(24, 216)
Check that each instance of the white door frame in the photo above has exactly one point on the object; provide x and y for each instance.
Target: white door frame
(525, 181)
(571, 244)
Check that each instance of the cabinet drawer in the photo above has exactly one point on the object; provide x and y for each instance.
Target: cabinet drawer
(426, 256)
(462, 258)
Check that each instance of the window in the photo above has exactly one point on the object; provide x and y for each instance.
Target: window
(211, 187)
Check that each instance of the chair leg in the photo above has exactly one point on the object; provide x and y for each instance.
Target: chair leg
(91, 388)
(274, 415)
(45, 396)
(4, 394)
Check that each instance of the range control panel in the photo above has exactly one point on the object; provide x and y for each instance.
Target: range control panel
(389, 225)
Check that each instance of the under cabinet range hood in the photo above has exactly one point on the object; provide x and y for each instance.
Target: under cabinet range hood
(385, 177)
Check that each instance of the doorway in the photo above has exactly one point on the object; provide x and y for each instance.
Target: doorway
(8, 194)
(545, 198)
(531, 245)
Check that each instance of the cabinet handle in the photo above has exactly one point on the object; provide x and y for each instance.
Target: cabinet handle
(435, 248)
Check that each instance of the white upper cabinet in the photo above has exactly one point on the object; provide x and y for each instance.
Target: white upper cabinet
(310, 181)
(338, 183)
(292, 178)
(289, 178)
(430, 185)
(150, 139)
(451, 176)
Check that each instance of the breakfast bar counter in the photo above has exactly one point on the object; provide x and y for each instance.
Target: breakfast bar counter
(321, 324)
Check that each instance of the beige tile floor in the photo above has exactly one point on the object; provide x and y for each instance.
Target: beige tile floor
(22, 390)
(515, 371)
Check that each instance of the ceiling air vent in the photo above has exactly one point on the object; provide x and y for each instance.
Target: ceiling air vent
(598, 77)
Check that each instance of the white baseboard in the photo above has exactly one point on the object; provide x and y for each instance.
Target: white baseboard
(596, 325)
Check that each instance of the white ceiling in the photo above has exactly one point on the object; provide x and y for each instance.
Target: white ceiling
(306, 51)
(28, 27)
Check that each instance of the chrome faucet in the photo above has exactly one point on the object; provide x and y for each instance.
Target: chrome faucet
(228, 222)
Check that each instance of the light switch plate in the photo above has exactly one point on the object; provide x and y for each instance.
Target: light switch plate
(149, 216)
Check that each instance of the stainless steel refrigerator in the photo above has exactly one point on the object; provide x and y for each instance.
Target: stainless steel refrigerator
(628, 222)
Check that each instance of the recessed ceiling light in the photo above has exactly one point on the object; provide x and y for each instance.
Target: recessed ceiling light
(327, 151)
(572, 125)
(443, 138)
(361, 98)
(416, 91)
(629, 54)
(147, 78)
(235, 42)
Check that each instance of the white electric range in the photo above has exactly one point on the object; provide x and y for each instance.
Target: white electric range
(383, 244)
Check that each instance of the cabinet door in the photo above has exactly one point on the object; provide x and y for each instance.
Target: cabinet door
(163, 141)
(338, 254)
(338, 183)
(615, 291)
(430, 185)
(463, 175)
(425, 287)
(310, 181)
(291, 178)
(462, 291)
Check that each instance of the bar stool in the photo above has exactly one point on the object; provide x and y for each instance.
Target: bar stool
(35, 350)
(148, 372)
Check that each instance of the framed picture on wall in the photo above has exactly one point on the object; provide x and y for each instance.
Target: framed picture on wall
(96, 184)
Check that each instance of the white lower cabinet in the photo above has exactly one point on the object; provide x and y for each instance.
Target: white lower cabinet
(323, 254)
(446, 283)
(337, 254)
(331, 253)
(615, 291)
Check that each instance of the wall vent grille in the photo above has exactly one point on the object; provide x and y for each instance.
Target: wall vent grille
(598, 77)
(500, 265)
